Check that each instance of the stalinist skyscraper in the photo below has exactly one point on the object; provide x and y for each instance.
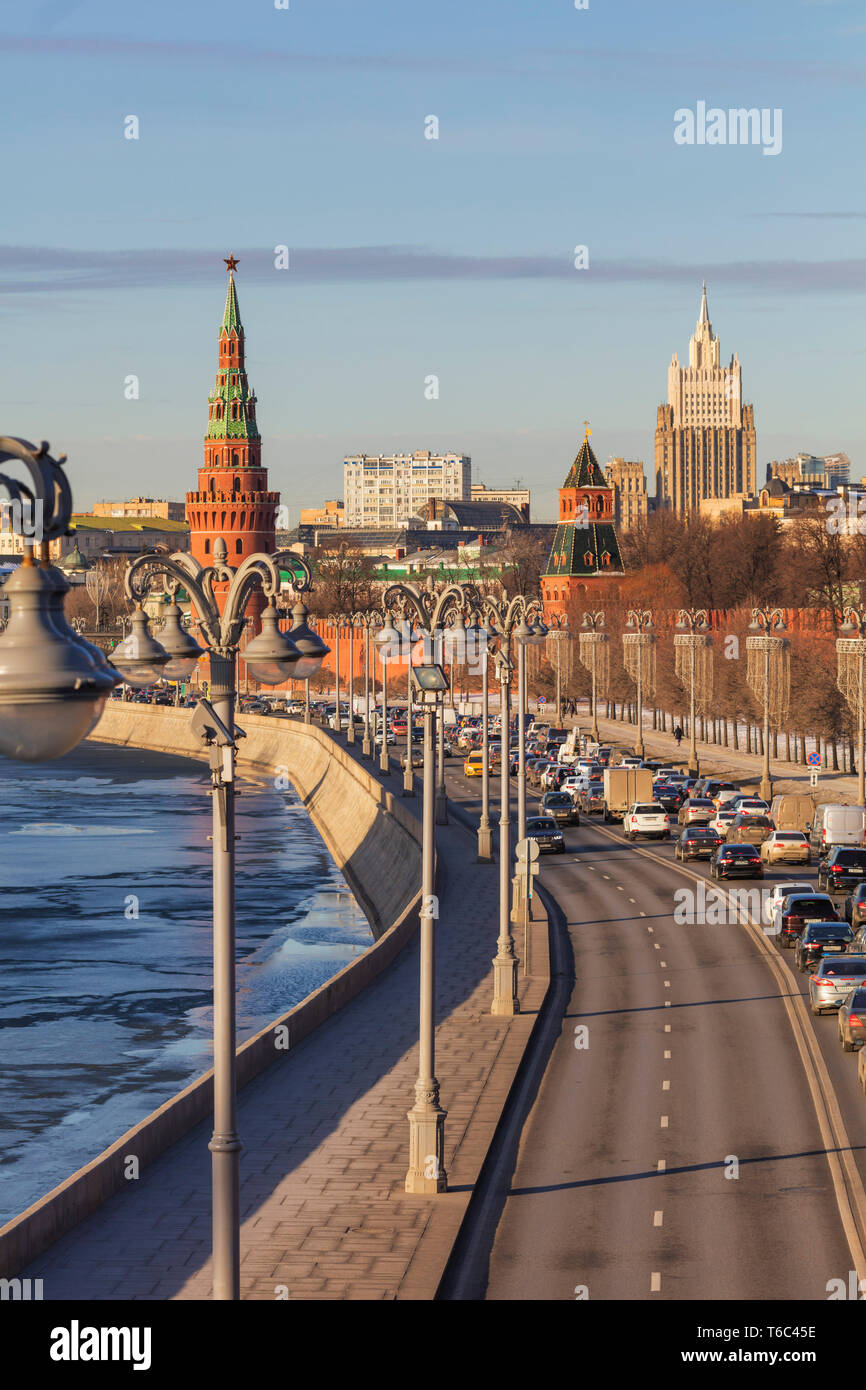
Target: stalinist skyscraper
(705, 436)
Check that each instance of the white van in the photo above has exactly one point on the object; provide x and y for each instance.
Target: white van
(838, 825)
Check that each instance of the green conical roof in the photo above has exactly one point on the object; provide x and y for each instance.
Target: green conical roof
(585, 472)
(232, 315)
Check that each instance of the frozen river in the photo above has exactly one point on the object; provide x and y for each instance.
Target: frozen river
(105, 944)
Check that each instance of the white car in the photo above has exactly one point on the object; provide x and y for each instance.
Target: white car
(777, 898)
(550, 774)
(721, 820)
(631, 760)
(750, 806)
(574, 787)
(726, 796)
(647, 818)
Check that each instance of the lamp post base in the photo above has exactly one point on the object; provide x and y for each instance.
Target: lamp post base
(485, 844)
(384, 765)
(766, 790)
(367, 748)
(441, 812)
(505, 1000)
(408, 781)
(426, 1173)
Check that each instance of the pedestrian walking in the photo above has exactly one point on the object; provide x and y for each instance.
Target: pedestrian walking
(678, 735)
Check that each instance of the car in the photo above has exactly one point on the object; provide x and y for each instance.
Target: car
(669, 796)
(821, 939)
(697, 842)
(852, 1020)
(546, 834)
(842, 868)
(390, 737)
(647, 818)
(572, 786)
(736, 861)
(725, 797)
(561, 807)
(591, 799)
(854, 907)
(785, 890)
(748, 829)
(535, 769)
(473, 765)
(721, 820)
(834, 979)
(742, 803)
(631, 760)
(797, 910)
(695, 811)
(786, 847)
(551, 773)
(604, 754)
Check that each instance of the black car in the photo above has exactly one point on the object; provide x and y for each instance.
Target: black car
(561, 807)
(736, 861)
(546, 833)
(671, 797)
(592, 800)
(820, 939)
(855, 906)
(697, 842)
(799, 910)
(842, 868)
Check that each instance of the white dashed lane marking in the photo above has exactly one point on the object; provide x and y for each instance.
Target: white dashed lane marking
(664, 1122)
(657, 1218)
(655, 1283)
(661, 1166)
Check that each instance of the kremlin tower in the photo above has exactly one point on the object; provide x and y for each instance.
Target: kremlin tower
(232, 501)
(585, 551)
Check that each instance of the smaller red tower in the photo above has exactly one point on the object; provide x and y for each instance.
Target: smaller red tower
(232, 500)
(585, 553)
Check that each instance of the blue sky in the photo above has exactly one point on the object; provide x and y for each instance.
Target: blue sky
(410, 257)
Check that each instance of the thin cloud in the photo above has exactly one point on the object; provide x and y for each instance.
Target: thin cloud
(26, 270)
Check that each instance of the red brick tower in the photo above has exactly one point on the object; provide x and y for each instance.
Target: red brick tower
(232, 500)
(585, 554)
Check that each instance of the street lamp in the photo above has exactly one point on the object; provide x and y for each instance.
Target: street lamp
(559, 622)
(53, 684)
(311, 647)
(387, 640)
(591, 642)
(367, 620)
(768, 674)
(850, 651)
(482, 638)
(426, 1171)
(271, 658)
(639, 661)
(693, 637)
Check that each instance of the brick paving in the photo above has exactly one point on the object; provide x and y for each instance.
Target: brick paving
(325, 1134)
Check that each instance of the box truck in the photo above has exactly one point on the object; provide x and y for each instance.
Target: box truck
(623, 786)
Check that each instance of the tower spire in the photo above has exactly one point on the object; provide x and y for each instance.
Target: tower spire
(704, 314)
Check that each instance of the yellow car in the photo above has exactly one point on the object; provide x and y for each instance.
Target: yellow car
(473, 766)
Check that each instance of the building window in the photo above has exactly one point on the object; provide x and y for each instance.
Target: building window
(238, 545)
(207, 547)
(236, 482)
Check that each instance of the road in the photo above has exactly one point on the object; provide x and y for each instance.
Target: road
(676, 1153)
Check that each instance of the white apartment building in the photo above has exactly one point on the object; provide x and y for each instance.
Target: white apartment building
(385, 490)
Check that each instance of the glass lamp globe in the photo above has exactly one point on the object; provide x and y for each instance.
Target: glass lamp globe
(51, 693)
(271, 657)
(182, 648)
(139, 658)
(308, 642)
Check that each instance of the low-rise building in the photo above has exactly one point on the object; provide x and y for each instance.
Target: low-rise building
(143, 507)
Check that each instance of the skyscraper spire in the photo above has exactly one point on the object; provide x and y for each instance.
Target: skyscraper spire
(704, 314)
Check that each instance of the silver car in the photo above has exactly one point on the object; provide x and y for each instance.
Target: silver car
(833, 981)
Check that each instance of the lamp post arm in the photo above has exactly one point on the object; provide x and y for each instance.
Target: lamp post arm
(50, 485)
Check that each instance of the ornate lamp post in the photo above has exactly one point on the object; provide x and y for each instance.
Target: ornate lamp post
(592, 644)
(427, 1118)
(271, 658)
(484, 637)
(530, 631)
(367, 620)
(387, 640)
(53, 683)
(694, 661)
(308, 642)
(768, 673)
(561, 632)
(850, 651)
(639, 656)
(504, 619)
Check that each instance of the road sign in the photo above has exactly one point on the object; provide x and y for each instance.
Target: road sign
(527, 849)
(813, 778)
(814, 760)
(542, 699)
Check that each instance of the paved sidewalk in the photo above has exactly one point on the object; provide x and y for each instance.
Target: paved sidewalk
(326, 1137)
(786, 776)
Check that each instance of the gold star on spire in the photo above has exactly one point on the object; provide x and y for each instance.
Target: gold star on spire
(231, 263)
(587, 430)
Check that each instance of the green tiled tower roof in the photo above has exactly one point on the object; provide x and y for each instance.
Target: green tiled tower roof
(237, 417)
(585, 472)
(573, 544)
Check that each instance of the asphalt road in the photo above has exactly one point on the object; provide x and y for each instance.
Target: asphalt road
(676, 1153)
